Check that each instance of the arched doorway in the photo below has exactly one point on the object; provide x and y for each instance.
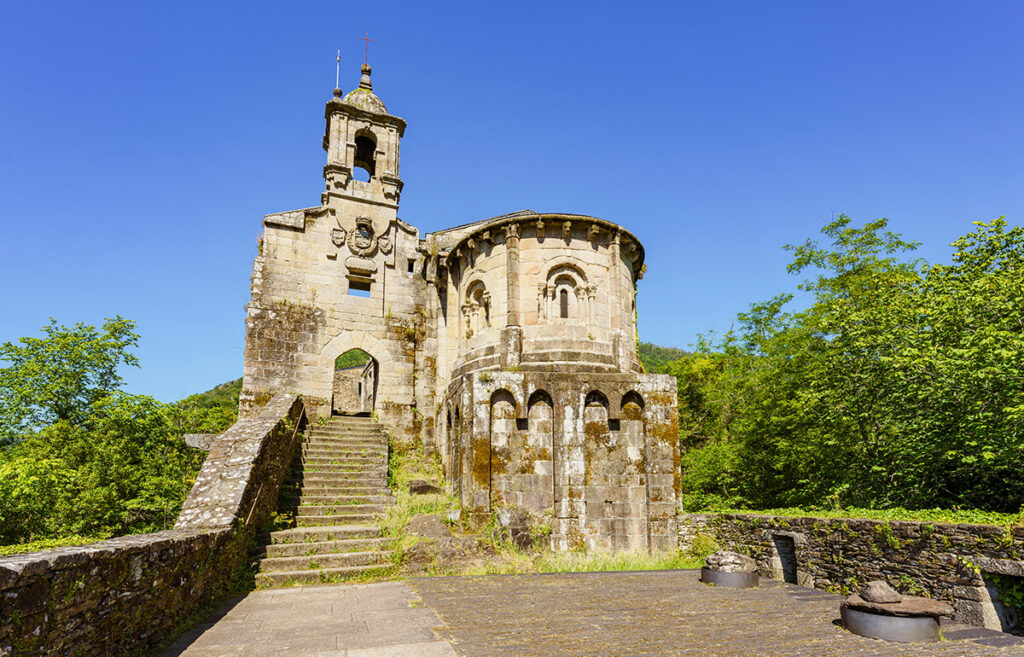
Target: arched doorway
(355, 383)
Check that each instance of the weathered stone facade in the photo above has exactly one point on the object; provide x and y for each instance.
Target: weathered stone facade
(952, 563)
(543, 303)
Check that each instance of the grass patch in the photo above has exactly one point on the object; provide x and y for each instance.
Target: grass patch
(947, 516)
(406, 463)
(513, 562)
(49, 544)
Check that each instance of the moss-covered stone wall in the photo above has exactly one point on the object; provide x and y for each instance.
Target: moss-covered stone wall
(950, 562)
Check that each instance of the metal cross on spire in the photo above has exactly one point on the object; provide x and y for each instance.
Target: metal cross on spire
(366, 49)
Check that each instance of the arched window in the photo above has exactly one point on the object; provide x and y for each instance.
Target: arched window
(366, 153)
(565, 295)
(476, 310)
(483, 301)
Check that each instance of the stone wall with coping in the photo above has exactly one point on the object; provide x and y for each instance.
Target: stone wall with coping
(129, 595)
(947, 562)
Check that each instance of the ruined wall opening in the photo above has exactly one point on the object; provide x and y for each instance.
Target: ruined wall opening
(1005, 593)
(355, 383)
(365, 166)
(786, 547)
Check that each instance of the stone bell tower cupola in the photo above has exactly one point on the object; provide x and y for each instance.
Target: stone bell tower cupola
(362, 143)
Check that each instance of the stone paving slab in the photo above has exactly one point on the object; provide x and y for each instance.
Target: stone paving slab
(660, 613)
(654, 613)
(386, 619)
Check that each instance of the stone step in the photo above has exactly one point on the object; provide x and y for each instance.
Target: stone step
(339, 465)
(340, 480)
(333, 506)
(324, 575)
(349, 422)
(354, 450)
(347, 435)
(346, 449)
(318, 561)
(323, 533)
(380, 457)
(322, 521)
(352, 431)
(340, 472)
(345, 440)
(314, 499)
(357, 466)
(327, 547)
(327, 491)
(351, 438)
(333, 460)
(339, 510)
(364, 470)
(315, 486)
(352, 443)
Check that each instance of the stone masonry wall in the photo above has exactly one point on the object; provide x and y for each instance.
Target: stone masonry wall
(346, 390)
(944, 561)
(594, 454)
(129, 595)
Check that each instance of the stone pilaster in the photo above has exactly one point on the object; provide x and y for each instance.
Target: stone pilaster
(512, 334)
(613, 282)
(512, 273)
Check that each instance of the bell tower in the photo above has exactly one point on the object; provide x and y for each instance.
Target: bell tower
(362, 143)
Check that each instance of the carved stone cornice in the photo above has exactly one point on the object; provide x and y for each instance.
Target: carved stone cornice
(595, 228)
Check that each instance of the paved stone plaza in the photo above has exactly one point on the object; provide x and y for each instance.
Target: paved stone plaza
(585, 614)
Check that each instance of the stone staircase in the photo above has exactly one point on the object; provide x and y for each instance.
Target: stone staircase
(336, 489)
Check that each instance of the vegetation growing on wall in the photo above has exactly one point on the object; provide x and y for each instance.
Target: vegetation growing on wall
(899, 386)
(82, 460)
(351, 358)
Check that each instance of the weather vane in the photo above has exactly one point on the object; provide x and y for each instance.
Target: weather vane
(366, 49)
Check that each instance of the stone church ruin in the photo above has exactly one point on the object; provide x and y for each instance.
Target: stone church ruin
(507, 346)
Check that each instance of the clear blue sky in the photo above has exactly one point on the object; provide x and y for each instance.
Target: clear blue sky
(141, 143)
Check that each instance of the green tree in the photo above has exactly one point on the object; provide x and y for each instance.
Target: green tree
(899, 385)
(123, 469)
(58, 376)
(82, 458)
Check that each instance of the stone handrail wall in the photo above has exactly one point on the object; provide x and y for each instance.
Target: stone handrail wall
(247, 462)
(129, 595)
(947, 562)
